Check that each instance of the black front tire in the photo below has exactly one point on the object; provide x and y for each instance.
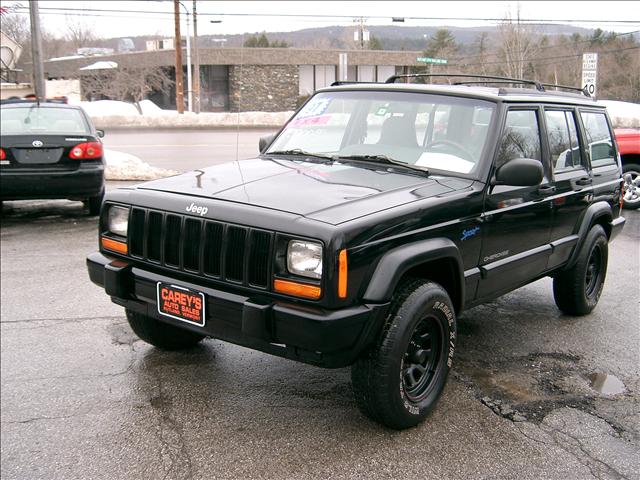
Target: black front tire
(398, 381)
(577, 290)
(160, 334)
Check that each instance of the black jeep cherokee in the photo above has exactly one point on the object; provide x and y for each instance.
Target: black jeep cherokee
(366, 225)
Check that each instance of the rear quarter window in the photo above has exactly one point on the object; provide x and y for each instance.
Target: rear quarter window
(599, 144)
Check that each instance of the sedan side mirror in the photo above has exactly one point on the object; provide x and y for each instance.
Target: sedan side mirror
(265, 141)
(520, 172)
(100, 133)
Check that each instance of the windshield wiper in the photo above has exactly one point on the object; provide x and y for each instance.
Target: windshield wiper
(383, 159)
(299, 152)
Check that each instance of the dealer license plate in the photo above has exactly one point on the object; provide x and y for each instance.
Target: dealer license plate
(181, 303)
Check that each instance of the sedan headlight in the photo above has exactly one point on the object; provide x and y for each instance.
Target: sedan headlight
(118, 220)
(304, 258)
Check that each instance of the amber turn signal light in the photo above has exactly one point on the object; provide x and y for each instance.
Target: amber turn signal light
(297, 289)
(342, 274)
(114, 245)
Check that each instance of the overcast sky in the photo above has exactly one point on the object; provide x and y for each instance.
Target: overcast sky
(157, 17)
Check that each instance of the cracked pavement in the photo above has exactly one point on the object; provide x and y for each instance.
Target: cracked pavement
(82, 397)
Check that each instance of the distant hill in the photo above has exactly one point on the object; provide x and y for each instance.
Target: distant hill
(392, 37)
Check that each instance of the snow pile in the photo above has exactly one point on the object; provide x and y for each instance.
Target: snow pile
(114, 114)
(623, 114)
(147, 107)
(124, 166)
(101, 108)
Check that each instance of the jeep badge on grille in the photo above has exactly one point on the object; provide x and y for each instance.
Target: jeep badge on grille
(196, 209)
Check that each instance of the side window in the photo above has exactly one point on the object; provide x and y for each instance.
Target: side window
(521, 137)
(599, 142)
(563, 140)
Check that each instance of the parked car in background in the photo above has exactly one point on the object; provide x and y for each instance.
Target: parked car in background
(628, 140)
(50, 150)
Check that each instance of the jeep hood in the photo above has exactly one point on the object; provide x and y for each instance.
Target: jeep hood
(332, 193)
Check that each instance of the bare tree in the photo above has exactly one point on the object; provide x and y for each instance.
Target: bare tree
(481, 48)
(125, 83)
(79, 33)
(518, 46)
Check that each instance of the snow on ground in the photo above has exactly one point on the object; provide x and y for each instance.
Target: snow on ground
(623, 114)
(124, 166)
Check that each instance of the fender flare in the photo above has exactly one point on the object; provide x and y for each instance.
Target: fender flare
(594, 213)
(398, 261)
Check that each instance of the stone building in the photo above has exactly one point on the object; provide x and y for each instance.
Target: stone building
(254, 79)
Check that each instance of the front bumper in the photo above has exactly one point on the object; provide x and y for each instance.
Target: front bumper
(84, 182)
(328, 338)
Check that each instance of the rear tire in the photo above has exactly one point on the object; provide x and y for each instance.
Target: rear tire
(94, 204)
(398, 381)
(577, 290)
(160, 334)
(631, 172)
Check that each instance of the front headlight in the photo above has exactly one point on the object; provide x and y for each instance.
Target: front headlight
(304, 258)
(118, 220)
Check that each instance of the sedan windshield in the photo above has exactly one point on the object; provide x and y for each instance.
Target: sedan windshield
(434, 132)
(42, 120)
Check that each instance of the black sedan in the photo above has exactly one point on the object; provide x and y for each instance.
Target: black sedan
(50, 150)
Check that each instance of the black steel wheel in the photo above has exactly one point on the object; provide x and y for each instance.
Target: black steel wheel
(577, 290)
(399, 379)
(421, 358)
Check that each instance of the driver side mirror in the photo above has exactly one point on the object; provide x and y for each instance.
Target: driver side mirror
(100, 133)
(265, 141)
(520, 172)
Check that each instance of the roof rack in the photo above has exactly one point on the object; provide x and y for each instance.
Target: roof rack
(488, 79)
(584, 90)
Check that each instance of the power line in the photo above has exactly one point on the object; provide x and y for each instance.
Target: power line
(350, 17)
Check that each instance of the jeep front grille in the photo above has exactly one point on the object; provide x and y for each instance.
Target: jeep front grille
(223, 251)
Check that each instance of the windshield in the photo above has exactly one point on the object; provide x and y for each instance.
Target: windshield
(44, 120)
(430, 131)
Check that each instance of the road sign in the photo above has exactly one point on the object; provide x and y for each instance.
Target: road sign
(590, 72)
(440, 61)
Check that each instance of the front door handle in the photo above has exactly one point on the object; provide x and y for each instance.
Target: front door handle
(584, 181)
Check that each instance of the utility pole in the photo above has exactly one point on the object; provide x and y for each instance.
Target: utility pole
(189, 89)
(196, 59)
(178, 45)
(36, 51)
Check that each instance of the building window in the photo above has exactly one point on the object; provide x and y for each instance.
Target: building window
(385, 71)
(313, 77)
(307, 80)
(325, 75)
(366, 73)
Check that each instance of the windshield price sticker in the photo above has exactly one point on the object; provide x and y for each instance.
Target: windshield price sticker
(181, 304)
(315, 107)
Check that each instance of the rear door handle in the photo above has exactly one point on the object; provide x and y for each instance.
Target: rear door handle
(546, 190)
(584, 181)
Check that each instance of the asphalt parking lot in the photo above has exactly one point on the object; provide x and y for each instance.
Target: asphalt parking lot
(534, 394)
